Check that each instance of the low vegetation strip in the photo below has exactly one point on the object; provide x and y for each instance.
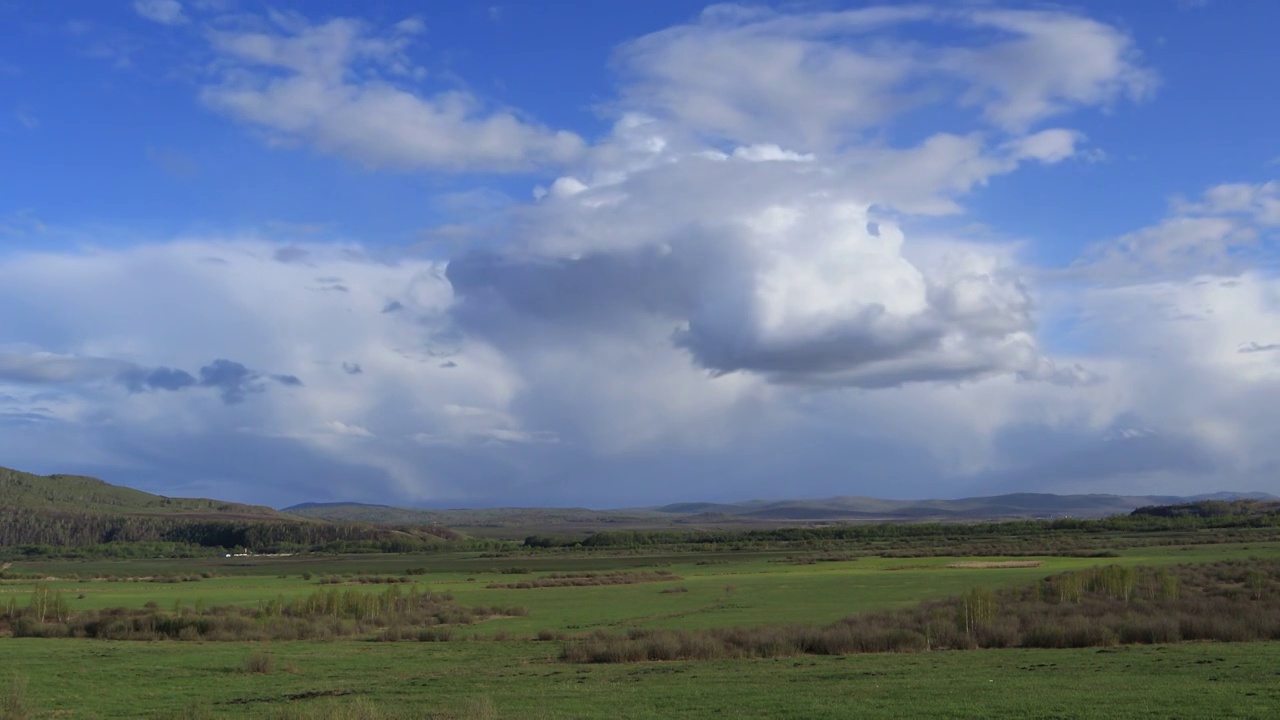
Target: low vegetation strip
(1102, 606)
(993, 564)
(365, 580)
(815, 558)
(324, 614)
(589, 578)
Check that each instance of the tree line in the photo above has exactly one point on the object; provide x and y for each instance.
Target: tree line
(1205, 515)
(24, 532)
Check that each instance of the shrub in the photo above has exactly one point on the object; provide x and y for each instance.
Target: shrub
(1148, 630)
(441, 634)
(1097, 607)
(588, 578)
(323, 614)
(259, 663)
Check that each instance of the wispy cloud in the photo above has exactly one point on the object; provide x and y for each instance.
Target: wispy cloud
(350, 90)
(165, 12)
(26, 118)
(231, 380)
(1255, 347)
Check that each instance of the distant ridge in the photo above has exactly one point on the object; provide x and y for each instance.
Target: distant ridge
(1010, 506)
(54, 512)
(993, 507)
(315, 505)
(82, 494)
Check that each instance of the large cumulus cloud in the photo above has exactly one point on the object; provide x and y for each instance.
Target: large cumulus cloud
(785, 274)
(753, 284)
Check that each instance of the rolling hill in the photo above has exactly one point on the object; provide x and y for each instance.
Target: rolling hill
(763, 512)
(53, 514)
(996, 507)
(534, 518)
(81, 494)
(25, 496)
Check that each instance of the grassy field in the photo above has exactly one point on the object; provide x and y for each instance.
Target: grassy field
(723, 589)
(477, 675)
(523, 680)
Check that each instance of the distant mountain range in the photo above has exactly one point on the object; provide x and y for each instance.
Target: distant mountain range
(75, 493)
(834, 509)
(1014, 505)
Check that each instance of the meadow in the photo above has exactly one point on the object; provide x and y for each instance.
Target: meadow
(512, 664)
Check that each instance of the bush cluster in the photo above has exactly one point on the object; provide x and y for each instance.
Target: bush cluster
(584, 579)
(365, 580)
(1226, 601)
(323, 614)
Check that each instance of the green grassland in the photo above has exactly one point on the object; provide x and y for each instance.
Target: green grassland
(723, 589)
(524, 680)
(496, 667)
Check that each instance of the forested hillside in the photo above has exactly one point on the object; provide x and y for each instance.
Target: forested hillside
(78, 493)
(68, 514)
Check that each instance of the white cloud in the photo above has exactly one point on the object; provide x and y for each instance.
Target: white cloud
(463, 393)
(1225, 231)
(1051, 62)
(268, 315)
(759, 266)
(820, 80)
(756, 77)
(340, 428)
(770, 153)
(732, 293)
(1188, 334)
(1047, 146)
(1259, 204)
(1180, 317)
(352, 92)
(165, 12)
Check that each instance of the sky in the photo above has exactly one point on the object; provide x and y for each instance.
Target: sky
(613, 254)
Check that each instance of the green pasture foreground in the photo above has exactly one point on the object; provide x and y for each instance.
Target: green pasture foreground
(79, 679)
(477, 676)
(720, 589)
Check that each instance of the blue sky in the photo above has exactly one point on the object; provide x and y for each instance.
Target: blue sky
(612, 254)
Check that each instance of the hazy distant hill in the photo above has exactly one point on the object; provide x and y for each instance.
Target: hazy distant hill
(363, 512)
(72, 510)
(488, 517)
(835, 509)
(1015, 505)
(80, 494)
